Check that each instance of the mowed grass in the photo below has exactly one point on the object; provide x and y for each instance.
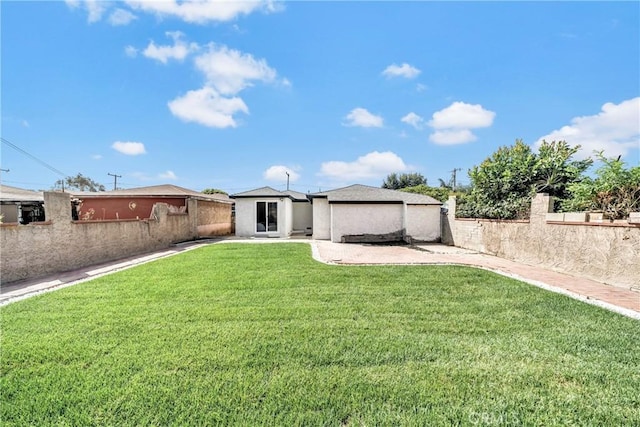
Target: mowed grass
(242, 334)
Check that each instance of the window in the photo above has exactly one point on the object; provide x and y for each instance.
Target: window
(266, 216)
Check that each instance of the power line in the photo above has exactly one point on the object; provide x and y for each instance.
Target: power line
(115, 180)
(31, 156)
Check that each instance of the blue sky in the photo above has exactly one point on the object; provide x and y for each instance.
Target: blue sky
(233, 95)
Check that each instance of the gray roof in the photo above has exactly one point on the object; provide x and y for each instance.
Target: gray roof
(270, 192)
(364, 193)
(165, 190)
(15, 194)
(296, 195)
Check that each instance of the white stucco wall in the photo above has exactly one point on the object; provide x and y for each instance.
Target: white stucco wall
(348, 219)
(423, 222)
(302, 215)
(321, 219)
(285, 217)
(246, 217)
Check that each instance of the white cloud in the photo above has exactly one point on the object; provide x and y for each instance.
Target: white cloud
(95, 8)
(202, 11)
(371, 165)
(168, 175)
(131, 51)
(413, 119)
(405, 70)
(178, 51)
(363, 118)
(229, 71)
(452, 137)
(206, 107)
(193, 11)
(129, 148)
(460, 115)
(25, 124)
(453, 124)
(421, 87)
(615, 130)
(96, 156)
(278, 173)
(121, 17)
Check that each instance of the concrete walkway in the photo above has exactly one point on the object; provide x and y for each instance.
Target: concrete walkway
(620, 300)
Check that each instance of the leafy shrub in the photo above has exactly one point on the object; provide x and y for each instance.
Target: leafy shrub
(439, 193)
(395, 181)
(504, 183)
(615, 191)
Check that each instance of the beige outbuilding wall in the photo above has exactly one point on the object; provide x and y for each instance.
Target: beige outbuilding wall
(321, 219)
(302, 216)
(60, 244)
(377, 219)
(606, 252)
(423, 222)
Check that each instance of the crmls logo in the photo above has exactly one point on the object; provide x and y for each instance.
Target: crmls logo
(489, 418)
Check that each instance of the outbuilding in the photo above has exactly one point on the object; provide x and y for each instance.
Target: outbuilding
(357, 213)
(267, 212)
(360, 213)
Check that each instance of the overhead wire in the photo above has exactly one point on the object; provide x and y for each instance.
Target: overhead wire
(32, 157)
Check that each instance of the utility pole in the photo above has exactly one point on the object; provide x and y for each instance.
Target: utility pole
(287, 180)
(453, 177)
(115, 180)
(2, 170)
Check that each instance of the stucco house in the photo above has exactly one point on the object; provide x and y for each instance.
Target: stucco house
(267, 212)
(357, 213)
(21, 206)
(213, 211)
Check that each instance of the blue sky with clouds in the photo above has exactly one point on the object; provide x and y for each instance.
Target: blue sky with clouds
(234, 95)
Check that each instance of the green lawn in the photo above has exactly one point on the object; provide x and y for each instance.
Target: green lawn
(240, 334)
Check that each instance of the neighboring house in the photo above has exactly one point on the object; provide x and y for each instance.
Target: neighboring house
(214, 211)
(21, 206)
(357, 213)
(266, 212)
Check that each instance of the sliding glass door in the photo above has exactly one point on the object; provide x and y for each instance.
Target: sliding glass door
(266, 217)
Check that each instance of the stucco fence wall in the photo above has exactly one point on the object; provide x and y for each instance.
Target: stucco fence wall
(60, 244)
(608, 253)
(214, 218)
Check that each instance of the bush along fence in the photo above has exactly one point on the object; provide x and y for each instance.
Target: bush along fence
(578, 243)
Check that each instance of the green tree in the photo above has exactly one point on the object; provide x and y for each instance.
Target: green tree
(445, 184)
(504, 183)
(79, 183)
(615, 190)
(555, 171)
(214, 191)
(395, 181)
(438, 193)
